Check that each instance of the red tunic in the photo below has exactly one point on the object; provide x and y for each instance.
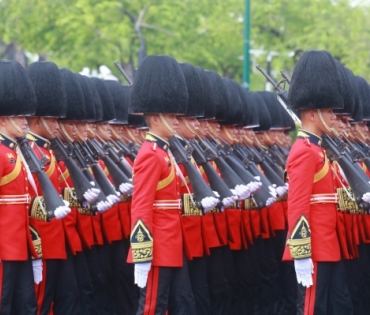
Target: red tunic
(15, 238)
(52, 233)
(156, 230)
(69, 221)
(309, 223)
(191, 224)
(111, 224)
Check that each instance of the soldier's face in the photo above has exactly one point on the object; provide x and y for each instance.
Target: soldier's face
(53, 127)
(103, 130)
(188, 127)
(19, 130)
(329, 118)
(171, 121)
(70, 128)
(118, 129)
(131, 133)
(250, 134)
(82, 130)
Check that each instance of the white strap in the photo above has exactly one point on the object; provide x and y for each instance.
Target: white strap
(179, 173)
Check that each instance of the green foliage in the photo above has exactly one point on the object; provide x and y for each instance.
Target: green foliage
(208, 33)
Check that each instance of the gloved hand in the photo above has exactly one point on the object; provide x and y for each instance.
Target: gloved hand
(91, 194)
(366, 197)
(62, 211)
(209, 203)
(113, 199)
(37, 270)
(281, 190)
(216, 193)
(228, 201)
(270, 201)
(126, 189)
(103, 205)
(273, 191)
(304, 270)
(141, 273)
(254, 186)
(242, 191)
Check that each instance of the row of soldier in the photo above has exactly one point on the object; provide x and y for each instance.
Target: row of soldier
(207, 224)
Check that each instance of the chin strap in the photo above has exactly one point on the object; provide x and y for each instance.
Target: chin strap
(213, 132)
(61, 125)
(103, 132)
(46, 126)
(191, 129)
(231, 138)
(164, 121)
(130, 134)
(323, 121)
(16, 127)
(201, 131)
(267, 137)
(79, 134)
(114, 133)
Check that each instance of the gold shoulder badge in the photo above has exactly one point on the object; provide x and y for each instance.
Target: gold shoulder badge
(150, 137)
(300, 241)
(30, 137)
(141, 243)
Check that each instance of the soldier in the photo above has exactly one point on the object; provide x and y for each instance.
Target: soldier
(312, 240)
(58, 290)
(159, 91)
(17, 100)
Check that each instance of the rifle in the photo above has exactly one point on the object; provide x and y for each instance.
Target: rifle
(51, 197)
(282, 94)
(99, 175)
(200, 188)
(124, 167)
(117, 175)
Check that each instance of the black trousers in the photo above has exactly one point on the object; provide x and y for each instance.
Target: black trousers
(59, 286)
(101, 277)
(198, 280)
(87, 301)
(329, 291)
(126, 293)
(17, 288)
(168, 289)
(218, 284)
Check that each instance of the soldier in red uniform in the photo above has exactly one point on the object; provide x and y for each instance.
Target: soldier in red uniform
(59, 290)
(76, 111)
(159, 91)
(17, 100)
(312, 240)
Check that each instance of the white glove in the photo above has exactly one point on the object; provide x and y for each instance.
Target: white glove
(228, 201)
(141, 273)
(209, 203)
(216, 193)
(37, 270)
(62, 211)
(272, 190)
(254, 186)
(66, 203)
(91, 195)
(366, 197)
(103, 206)
(304, 270)
(126, 189)
(113, 199)
(270, 201)
(281, 190)
(242, 191)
